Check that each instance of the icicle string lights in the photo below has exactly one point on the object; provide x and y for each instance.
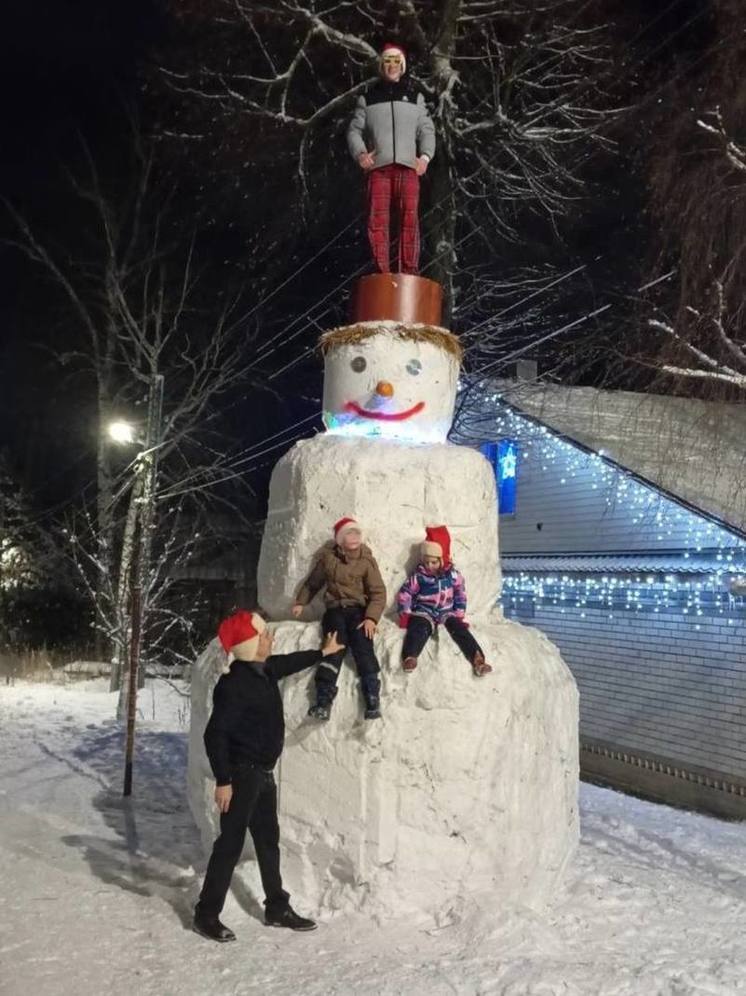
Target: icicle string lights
(672, 526)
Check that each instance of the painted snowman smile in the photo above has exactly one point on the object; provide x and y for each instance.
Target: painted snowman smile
(353, 406)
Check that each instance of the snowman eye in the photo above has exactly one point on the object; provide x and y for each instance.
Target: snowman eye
(414, 367)
(358, 364)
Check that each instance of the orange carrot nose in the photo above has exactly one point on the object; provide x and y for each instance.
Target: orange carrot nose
(385, 389)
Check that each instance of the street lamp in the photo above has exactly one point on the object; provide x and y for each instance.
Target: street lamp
(122, 432)
(137, 543)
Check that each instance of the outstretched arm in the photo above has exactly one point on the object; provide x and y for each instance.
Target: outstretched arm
(285, 664)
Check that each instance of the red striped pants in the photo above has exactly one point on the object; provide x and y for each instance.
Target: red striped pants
(396, 187)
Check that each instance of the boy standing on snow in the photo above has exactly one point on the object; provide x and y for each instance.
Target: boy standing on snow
(355, 597)
(435, 594)
(244, 739)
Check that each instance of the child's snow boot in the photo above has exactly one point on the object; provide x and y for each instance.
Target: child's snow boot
(321, 710)
(371, 685)
(479, 665)
(372, 707)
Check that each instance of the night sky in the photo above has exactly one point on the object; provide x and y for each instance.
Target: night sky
(65, 68)
(68, 68)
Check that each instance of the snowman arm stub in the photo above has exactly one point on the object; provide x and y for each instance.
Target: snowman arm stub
(314, 582)
(375, 591)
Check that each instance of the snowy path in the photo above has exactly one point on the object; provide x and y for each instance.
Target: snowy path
(655, 902)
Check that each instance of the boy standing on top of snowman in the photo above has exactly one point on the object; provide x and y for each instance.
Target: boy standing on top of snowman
(355, 597)
(392, 138)
(436, 594)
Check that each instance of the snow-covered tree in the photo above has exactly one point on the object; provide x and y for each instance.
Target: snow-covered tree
(706, 342)
(145, 313)
(516, 91)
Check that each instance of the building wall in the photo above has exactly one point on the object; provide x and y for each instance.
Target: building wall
(660, 661)
(569, 501)
(689, 447)
(666, 680)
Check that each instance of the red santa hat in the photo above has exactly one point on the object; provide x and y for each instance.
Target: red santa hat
(390, 48)
(345, 526)
(437, 543)
(239, 634)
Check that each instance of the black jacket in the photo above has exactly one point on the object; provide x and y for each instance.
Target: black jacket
(247, 721)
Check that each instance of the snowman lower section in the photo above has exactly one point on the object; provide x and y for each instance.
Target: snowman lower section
(466, 789)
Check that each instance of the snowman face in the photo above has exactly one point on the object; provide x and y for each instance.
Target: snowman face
(391, 387)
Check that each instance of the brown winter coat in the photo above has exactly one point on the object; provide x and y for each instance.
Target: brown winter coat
(350, 579)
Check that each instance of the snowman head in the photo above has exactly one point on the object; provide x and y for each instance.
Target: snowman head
(390, 380)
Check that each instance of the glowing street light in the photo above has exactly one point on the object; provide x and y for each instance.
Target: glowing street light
(122, 432)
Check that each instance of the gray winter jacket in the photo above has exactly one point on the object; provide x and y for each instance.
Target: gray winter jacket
(392, 120)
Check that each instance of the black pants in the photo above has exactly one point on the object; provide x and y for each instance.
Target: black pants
(346, 621)
(254, 805)
(419, 631)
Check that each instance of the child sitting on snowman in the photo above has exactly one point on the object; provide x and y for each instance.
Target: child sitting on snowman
(355, 597)
(435, 594)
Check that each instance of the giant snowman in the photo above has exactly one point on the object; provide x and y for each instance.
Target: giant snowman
(466, 790)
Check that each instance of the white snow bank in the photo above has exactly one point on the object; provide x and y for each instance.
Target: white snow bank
(465, 789)
(96, 896)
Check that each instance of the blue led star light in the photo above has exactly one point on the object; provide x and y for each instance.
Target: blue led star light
(671, 527)
(504, 458)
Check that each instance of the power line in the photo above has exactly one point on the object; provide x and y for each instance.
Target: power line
(265, 351)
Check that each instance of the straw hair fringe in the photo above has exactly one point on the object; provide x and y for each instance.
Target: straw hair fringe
(348, 335)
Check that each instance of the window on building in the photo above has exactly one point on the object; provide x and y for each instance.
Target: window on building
(503, 456)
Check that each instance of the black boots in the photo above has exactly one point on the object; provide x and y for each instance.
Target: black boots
(208, 925)
(371, 685)
(321, 710)
(288, 918)
(372, 707)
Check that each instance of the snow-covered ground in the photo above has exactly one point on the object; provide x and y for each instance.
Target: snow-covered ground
(96, 896)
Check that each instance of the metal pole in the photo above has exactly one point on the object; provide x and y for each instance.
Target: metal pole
(141, 562)
(135, 635)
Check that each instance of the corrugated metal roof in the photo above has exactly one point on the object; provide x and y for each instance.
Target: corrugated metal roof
(654, 563)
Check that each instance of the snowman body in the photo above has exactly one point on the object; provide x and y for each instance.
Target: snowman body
(395, 490)
(466, 789)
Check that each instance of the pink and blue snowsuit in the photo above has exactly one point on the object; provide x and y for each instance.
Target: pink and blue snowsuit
(435, 597)
(426, 600)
